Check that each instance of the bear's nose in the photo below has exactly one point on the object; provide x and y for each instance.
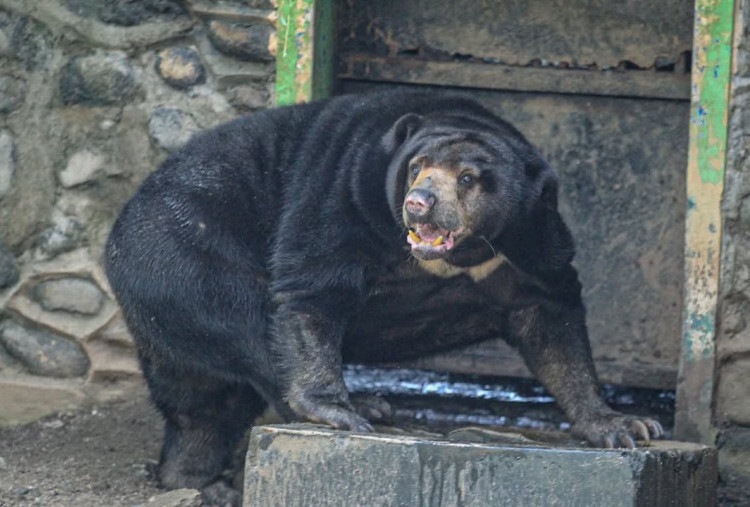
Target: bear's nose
(419, 201)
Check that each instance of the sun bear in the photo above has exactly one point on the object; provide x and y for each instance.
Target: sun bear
(365, 228)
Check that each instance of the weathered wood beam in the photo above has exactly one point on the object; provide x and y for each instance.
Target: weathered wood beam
(641, 83)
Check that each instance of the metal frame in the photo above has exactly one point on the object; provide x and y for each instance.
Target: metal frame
(709, 116)
(304, 58)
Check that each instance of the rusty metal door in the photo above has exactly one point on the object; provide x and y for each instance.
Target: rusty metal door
(603, 89)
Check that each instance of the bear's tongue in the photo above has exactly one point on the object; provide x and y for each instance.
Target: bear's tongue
(425, 235)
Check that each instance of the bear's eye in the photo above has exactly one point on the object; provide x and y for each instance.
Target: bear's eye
(414, 170)
(466, 179)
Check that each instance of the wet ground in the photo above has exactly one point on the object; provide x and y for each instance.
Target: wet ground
(102, 456)
(443, 401)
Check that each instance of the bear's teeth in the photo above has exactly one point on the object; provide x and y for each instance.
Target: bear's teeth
(413, 235)
(438, 241)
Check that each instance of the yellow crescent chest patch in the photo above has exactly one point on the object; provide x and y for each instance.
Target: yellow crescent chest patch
(441, 268)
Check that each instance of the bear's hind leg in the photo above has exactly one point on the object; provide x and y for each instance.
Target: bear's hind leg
(205, 422)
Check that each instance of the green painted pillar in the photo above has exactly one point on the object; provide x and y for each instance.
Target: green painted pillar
(304, 53)
(709, 116)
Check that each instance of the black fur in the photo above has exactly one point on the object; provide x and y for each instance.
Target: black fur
(270, 249)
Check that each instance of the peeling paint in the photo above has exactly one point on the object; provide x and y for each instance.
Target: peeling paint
(699, 337)
(714, 20)
(713, 33)
(691, 205)
(707, 154)
(303, 63)
(702, 323)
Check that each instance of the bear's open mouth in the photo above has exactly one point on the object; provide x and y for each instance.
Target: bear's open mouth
(430, 241)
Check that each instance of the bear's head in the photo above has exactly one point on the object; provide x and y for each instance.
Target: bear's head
(460, 181)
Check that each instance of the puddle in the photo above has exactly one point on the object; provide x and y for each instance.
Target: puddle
(445, 401)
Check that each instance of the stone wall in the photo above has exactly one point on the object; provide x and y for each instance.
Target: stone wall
(732, 408)
(93, 95)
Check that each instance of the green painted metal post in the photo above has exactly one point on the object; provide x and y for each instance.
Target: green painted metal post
(709, 114)
(304, 53)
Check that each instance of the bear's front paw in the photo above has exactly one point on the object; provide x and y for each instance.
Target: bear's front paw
(372, 407)
(220, 494)
(617, 430)
(333, 414)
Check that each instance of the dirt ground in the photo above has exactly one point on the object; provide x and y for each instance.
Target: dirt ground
(98, 457)
(94, 458)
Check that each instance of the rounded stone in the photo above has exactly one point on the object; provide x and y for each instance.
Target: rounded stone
(733, 444)
(5, 49)
(29, 41)
(7, 162)
(72, 295)
(734, 391)
(245, 42)
(127, 12)
(9, 272)
(180, 67)
(12, 93)
(43, 353)
(171, 128)
(177, 498)
(8, 363)
(247, 98)
(63, 236)
(82, 167)
(101, 79)
(115, 334)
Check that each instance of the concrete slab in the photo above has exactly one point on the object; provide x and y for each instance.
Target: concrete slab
(27, 398)
(303, 465)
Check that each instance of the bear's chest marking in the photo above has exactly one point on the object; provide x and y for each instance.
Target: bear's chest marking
(441, 268)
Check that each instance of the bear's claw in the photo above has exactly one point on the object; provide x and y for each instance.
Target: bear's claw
(616, 430)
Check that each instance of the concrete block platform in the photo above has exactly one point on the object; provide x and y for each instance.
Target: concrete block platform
(307, 465)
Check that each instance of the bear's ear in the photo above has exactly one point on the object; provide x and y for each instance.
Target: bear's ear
(557, 243)
(401, 130)
(542, 184)
(548, 185)
(539, 241)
